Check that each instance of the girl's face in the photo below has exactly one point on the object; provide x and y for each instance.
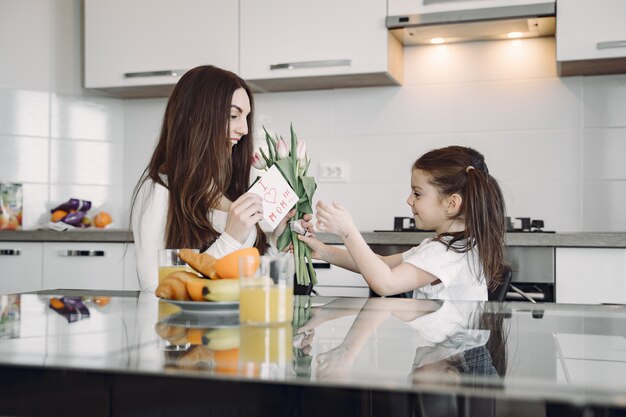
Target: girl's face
(426, 203)
(237, 120)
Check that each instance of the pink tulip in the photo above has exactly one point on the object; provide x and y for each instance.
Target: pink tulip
(282, 149)
(258, 162)
(301, 151)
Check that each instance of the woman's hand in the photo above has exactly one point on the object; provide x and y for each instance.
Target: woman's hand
(334, 218)
(244, 213)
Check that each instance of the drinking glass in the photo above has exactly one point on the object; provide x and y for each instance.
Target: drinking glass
(266, 289)
(169, 262)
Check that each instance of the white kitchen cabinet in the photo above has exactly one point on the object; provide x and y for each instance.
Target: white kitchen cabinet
(20, 267)
(591, 275)
(591, 37)
(333, 281)
(82, 265)
(407, 7)
(298, 44)
(150, 43)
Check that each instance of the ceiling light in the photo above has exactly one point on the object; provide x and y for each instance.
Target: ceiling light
(514, 35)
(437, 41)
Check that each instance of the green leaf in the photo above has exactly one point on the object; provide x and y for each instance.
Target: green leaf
(254, 182)
(271, 144)
(294, 150)
(309, 186)
(284, 165)
(267, 159)
(284, 239)
(306, 207)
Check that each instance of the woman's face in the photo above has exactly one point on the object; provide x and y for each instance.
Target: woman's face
(238, 118)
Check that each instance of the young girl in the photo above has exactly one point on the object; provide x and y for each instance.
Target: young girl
(452, 194)
(193, 192)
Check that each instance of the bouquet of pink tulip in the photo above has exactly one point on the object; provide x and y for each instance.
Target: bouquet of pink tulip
(293, 163)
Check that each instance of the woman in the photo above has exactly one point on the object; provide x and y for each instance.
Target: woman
(193, 192)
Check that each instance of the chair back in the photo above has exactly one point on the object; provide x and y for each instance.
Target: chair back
(499, 294)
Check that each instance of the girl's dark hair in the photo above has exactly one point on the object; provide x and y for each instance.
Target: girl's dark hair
(461, 170)
(194, 155)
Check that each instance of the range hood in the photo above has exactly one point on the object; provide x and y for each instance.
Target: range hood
(519, 21)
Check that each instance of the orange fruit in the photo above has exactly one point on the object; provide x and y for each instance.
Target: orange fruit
(102, 219)
(228, 266)
(57, 215)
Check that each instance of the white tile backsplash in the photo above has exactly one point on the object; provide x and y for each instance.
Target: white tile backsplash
(604, 205)
(85, 117)
(61, 146)
(604, 151)
(605, 101)
(86, 162)
(24, 112)
(24, 159)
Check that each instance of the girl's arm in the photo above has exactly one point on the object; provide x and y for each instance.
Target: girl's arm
(381, 278)
(341, 257)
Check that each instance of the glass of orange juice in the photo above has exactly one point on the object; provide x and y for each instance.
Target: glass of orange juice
(266, 289)
(169, 262)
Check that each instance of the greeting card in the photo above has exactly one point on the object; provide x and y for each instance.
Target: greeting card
(278, 196)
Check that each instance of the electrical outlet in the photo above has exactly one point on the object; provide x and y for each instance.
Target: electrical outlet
(333, 171)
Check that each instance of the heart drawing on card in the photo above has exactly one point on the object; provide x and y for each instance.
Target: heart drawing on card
(270, 196)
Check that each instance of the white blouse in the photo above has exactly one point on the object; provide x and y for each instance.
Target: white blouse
(148, 225)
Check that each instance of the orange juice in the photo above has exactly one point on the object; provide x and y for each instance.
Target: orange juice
(164, 271)
(265, 303)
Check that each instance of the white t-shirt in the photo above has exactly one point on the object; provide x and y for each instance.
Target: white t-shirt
(148, 225)
(461, 274)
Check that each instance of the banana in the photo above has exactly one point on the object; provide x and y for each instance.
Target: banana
(221, 339)
(221, 290)
(201, 289)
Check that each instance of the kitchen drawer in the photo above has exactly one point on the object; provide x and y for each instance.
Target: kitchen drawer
(83, 265)
(20, 267)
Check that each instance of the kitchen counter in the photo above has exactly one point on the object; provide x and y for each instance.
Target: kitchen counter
(136, 355)
(572, 239)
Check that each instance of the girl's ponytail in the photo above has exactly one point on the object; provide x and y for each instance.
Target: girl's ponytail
(485, 222)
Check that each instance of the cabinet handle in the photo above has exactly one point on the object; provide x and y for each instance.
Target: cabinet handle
(166, 73)
(611, 44)
(312, 64)
(10, 252)
(77, 253)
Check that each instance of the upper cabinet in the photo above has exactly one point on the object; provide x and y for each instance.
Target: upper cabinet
(299, 45)
(140, 48)
(591, 37)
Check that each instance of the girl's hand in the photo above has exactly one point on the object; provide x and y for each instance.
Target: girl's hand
(244, 213)
(280, 228)
(318, 249)
(334, 218)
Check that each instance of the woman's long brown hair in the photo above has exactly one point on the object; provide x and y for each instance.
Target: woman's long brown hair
(482, 208)
(194, 154)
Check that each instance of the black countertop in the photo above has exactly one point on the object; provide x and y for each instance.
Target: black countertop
(136, 355)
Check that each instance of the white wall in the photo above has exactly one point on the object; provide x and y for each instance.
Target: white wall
(57, 139)
(555, 144)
